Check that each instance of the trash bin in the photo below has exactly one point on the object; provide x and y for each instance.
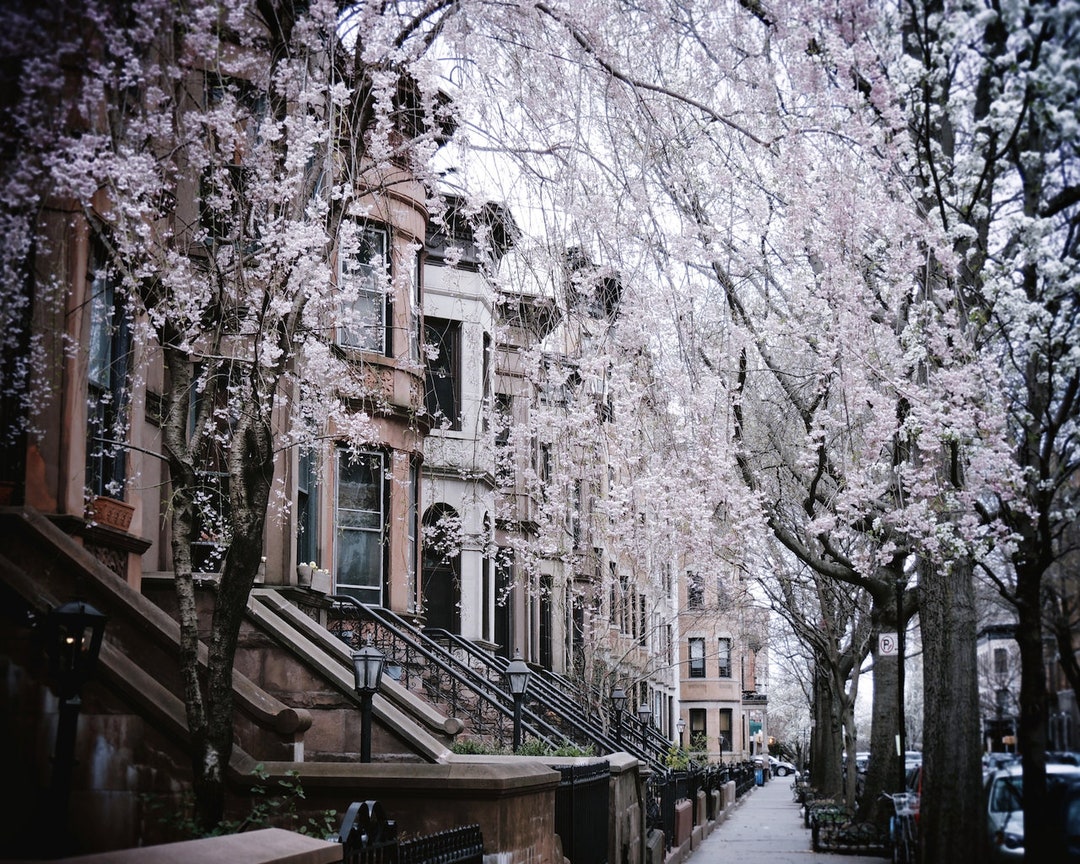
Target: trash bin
(759, 777)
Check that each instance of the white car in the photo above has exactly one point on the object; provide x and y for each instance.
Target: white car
(1005, 813)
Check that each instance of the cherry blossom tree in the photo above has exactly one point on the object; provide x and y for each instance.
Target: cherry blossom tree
(748, 172)
(223, 156)
(831, 619)
(991, 96)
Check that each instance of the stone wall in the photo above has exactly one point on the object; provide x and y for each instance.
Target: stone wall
(131, 773)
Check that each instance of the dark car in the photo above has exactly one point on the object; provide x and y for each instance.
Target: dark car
(1064, 818)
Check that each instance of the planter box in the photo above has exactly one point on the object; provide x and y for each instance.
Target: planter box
(111, 513)
(320, 581)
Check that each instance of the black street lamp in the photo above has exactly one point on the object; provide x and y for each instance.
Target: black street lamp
(680, 724)
(723, 741)
(368, 665)
(644, 713)
(73, 634)
(618, 705)
(517, 673)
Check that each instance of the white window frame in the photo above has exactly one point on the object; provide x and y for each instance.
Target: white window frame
(366, 593)
(371, 292)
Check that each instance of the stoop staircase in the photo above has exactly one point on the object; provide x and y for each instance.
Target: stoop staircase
(467, 681)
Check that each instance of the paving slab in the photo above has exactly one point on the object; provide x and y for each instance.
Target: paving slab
(766, 827)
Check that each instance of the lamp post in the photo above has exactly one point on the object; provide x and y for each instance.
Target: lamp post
(644, 713)
(517, 673)
(73, 634)
(722, 742)
(680, 724)
(368, 668)
(618, 705)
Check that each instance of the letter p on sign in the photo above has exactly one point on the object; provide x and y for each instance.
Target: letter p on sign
(887, 644)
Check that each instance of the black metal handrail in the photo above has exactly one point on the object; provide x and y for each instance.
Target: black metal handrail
(564, 713)
(656, 746)
(423, 664)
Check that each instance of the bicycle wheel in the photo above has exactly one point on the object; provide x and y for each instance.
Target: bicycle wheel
(908, 830)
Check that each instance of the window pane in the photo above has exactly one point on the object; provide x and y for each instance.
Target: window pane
(107, 396)
(442, 391)
(724, 658)
(359, 558)
(358, 552)
(100, 349)
(413, 493)
(695, 590)
(697, 658)
(364, 271)
(307, 512)
(358, 485)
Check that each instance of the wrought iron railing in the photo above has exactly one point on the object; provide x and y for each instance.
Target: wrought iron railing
(369, 837)
(422, 665)
(582, 812)
(469, 682)
(564, 705)
(663, 789)
(564, 713)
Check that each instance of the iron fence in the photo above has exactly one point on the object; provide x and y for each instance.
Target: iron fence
(663, 790)
(582, 812)
(369, 837)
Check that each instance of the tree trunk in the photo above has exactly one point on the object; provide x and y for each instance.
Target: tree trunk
(827, 742)
(881, 773)
(1033, 709)
(851, 776)
(251, 468)
(951, 819)
(205, 763)
(209, 698)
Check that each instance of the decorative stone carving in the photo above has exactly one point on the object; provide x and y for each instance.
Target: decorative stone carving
(111, 513)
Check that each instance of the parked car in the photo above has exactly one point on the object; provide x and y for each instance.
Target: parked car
(1064, 825)
(780, 768)
(995, 761)
(862, 761)
(1005, 813)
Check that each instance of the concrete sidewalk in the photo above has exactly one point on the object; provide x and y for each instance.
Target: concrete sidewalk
(766, 827)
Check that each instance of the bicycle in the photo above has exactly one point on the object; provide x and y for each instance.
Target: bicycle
(903, 828)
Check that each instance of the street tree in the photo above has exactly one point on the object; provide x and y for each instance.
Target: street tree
(748, 171)
(832, 621)
(990, 92)
(223, 156)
